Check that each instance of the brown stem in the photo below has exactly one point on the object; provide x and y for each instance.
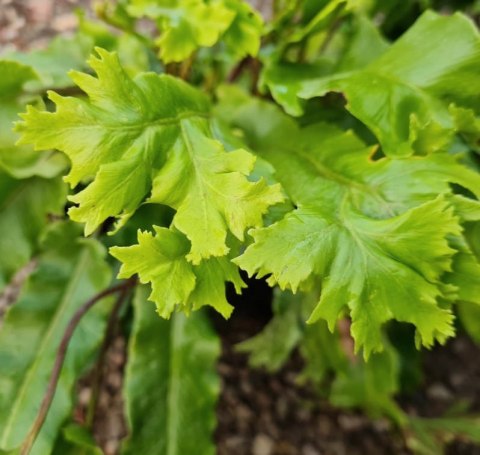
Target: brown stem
(12, 290)
(173, 69)
(186, 67)
(255, 66)
(99, 370)
(59, 359)
(330, 34)
(346, 341)
(238, 70)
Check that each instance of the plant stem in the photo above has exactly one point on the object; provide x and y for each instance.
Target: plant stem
(186, 67)
(59, 359)
(238, 70)
(99, 370)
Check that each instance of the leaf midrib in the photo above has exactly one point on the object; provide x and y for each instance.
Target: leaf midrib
(140, 125)
(172, 417)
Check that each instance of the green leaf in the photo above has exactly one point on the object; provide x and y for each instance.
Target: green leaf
(220, 190)
(469, 315)
(186, 25)
(76, 440)
(14, 77)
(287, 330)
(322, 352)
(53, 63)
(70, 271)
(364, 46)
(272, 347)
(128, 144)
(171, 385)
(161, 260)
(402, 96)
(370, 386)
(374, 233)
(324, 17)
(24, 209)
(465, 274)
(243, 36)
(430, 436)
(21, 162)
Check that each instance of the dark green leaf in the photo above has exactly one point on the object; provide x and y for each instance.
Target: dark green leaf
(171, 384)
(70, 271)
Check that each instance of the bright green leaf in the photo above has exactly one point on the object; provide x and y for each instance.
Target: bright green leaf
(187, 25)
(161, 261)
(127, 144)
(243, 36)
(374, 232)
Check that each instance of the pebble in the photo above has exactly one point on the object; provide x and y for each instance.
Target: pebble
(262, 445)
(309, 450)
(351, 423)
(324, 426)
(65, 22)
(439, 392)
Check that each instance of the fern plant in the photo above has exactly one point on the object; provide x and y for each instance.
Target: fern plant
(332, 149)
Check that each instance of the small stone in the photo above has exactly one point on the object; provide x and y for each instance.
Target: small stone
(244, 412)
(225, 370)
(234, 442)
(460, 346)
(84, 396)
(382, 425)
(117, 358)
(337, 447)
(40, 12)
(111, 447)
(262, 445)
(114, 380)
(458, 380)
(65, 22)
(304, 414)
(439, 392)
(324, 426)
(309, 450)
(119, 343)
(281, 406)
(350, 423)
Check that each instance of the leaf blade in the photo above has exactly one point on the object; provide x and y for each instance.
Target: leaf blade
(181, 418)
(40, 320)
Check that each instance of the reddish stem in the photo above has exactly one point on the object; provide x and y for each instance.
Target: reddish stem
(60, 358)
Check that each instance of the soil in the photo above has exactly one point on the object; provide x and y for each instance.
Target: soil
(272, 414)
(258, 413)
